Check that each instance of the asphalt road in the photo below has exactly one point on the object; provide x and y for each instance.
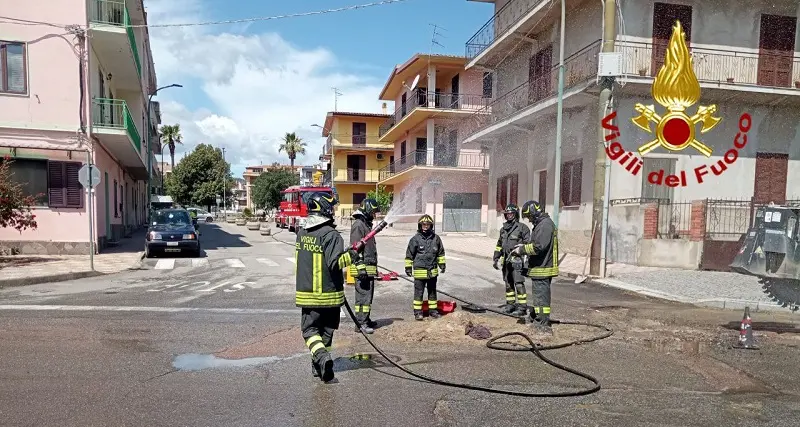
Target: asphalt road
(216, 341)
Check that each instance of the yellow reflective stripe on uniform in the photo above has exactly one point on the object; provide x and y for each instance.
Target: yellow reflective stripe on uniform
(317, 273)
(295, 261)
(502, 259)
(315, 344)
(555, 250)
(440, 260)
(543, 272)
(522, 298)
(365, 309)
(541, 310)
(510, 296)
(372, 269)
(432, 304)
(409, 262)
(417, 305)
(311, 299)
(329, 348)
(345, 260)
(498, 249)
(529, 249)
(421, 273)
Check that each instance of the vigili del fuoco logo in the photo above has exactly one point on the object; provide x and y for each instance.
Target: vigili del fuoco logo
(677, 89)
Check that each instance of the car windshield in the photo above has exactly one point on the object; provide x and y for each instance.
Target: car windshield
(171, 218)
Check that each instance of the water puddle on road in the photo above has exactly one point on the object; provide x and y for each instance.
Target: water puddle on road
(197, 362)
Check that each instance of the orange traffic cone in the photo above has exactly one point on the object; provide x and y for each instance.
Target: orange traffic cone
(746, 338)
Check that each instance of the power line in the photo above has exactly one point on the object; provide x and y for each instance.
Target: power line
(230, 21)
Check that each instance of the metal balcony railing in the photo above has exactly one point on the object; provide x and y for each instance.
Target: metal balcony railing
(499, 24)
(114, 113)
(429, 99)
(446, 159)
(356, 175)
(716, 65)
(579, 67)
(114, 12)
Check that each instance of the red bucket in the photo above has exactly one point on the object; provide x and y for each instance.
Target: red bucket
(444, 307)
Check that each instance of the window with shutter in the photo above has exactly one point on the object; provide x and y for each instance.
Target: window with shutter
(12, 68)
(498, 200)
(74, 189)
(512, 197)
(55, 185)
(571, 177)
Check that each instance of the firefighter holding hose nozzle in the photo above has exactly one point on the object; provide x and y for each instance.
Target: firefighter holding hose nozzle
(542, 251)
(513, 233)
(424, 261)
(365, 267)
(321, 258)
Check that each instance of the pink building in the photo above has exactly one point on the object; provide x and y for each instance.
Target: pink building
(72, 95)
(433, 174)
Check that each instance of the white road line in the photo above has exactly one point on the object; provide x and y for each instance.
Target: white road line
(234, 263)
(211, 289)
(199, 262)
(454, 258)
(268, 262)
(142, 309)
(165, 264)
(290, 258)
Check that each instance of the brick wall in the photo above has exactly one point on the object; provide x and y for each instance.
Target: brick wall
(697, 230)
(650, 221)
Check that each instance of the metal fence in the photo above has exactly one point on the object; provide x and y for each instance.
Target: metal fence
(674, 219)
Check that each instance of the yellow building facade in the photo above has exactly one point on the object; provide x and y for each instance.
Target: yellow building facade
(356, 156)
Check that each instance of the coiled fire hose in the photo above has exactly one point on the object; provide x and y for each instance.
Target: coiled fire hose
(493, 343)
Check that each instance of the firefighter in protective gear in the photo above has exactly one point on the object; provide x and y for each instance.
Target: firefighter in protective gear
(513, 233)
(424, 261)
(320, 259)
(542, 251)
(365, 267)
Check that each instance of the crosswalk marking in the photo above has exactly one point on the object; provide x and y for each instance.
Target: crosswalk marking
(165, 264)
(268, 262)
(199, 262)
(291, 259)
(234, 262)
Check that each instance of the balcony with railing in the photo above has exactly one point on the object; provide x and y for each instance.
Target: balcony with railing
(111, 30)
(356, 176)
(430, 159)
(360, 142)
(516, 15)
(113, 124)
(580, 68)
(717, 66)
(422, 104)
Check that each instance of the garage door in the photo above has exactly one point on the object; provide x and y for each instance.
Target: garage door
(462, 212)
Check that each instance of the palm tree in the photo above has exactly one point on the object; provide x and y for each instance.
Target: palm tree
(171, 135)
(293, 146)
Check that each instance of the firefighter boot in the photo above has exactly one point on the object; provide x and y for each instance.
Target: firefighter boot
(521, 310)
(507, 308)
(314, 369)
(325, 364)
(365, 327)
(435, 314)
(371, 323)
(418, 315)
(542, 324)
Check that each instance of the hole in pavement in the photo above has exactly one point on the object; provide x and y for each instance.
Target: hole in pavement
(777, 327)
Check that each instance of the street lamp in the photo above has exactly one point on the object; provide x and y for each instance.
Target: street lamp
(150, 150)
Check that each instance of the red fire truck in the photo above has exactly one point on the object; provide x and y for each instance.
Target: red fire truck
(292, 212)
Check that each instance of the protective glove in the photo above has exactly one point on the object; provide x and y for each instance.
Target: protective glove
(353, 254)
(496, 264)
(408, 271)
(362, 275)
(441, 268)
(517, 250)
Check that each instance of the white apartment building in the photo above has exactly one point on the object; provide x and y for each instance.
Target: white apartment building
(745, 57)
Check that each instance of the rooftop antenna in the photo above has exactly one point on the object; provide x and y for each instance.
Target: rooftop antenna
(436, 34)
(336, 95)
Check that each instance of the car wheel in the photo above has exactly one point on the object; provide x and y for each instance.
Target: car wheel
(209, 219)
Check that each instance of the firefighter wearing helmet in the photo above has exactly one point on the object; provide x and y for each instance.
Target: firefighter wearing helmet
(321, 259)
(542, 252)
(513, 233)
(424, 262)
(365, 267)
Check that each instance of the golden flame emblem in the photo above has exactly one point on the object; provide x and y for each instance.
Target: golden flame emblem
(676, 88)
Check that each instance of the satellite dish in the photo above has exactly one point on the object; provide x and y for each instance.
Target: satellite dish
(414, 83)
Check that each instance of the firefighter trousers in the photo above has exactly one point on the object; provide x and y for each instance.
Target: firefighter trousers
(540, 305)
(317, 325)
(419, 289)
(515, 285)
(365, 290)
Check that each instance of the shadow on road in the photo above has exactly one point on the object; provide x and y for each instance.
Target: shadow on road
(214, 237)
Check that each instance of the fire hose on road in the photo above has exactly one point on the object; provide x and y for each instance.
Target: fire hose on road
(493, 343)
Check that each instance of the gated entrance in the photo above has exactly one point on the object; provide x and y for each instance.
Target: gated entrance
(726, 223)
(462, 212)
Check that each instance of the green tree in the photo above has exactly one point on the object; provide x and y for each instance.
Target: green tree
(383, 197)
(198, 178)
(15, 206)
(268, 186)
(171, 135)
(293, 146)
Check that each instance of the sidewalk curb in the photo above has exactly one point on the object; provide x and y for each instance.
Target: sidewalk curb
(721, 303)
(25, 281)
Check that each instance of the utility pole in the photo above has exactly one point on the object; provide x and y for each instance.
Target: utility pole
(559, 118)
(150, 151)
(599, 196)
(336, 95)
(224, 183)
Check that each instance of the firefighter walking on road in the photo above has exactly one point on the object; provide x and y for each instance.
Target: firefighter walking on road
(425, 261)
(542, 251)
(320, 259)
(365, 267)
(513, 233)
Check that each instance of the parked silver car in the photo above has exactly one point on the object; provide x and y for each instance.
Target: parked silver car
(202, 215)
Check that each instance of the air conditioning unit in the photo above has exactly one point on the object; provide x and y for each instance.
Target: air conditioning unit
(380, 156)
